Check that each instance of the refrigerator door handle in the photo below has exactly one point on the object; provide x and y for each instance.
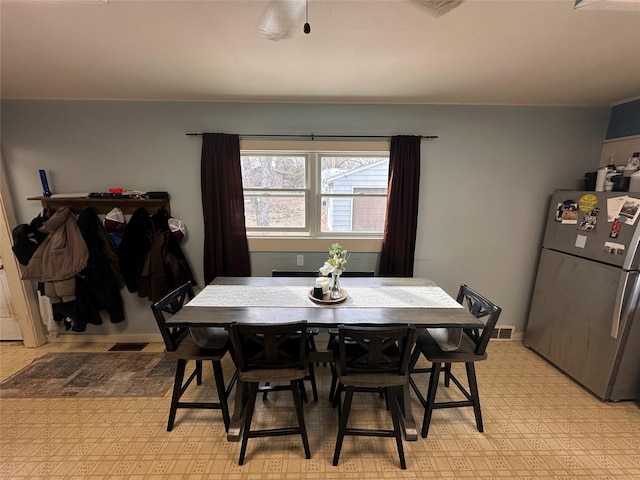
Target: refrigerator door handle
(632, 261)
(617, 308)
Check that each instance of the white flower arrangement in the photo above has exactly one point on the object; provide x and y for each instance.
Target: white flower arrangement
(336, 262)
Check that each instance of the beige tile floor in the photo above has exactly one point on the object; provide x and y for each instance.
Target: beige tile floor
(538, 424)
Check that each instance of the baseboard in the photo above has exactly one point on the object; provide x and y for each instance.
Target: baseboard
(125, 338)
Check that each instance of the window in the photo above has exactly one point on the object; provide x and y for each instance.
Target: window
(275, 187)
(314, 193)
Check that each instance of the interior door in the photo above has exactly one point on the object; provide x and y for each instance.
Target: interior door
(9, 327)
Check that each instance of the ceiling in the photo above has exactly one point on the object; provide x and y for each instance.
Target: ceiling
(509, 52)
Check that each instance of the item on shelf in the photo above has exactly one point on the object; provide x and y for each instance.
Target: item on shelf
(633, 165)
(45, 185)
(104, 195)
(590, 179)
(601, 177)
(158, 195)
(634, 183)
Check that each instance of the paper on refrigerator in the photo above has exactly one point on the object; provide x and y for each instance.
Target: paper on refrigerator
(626, 208)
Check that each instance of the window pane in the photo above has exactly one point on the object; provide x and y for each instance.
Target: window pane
(274, 210)
(344, 174)
(273, 171)
(353, 214)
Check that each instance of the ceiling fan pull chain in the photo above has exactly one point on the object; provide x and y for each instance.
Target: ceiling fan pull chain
(307, 27)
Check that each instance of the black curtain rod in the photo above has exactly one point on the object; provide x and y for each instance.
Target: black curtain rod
(312, 136)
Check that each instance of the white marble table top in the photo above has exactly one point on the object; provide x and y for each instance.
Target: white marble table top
(297, 296)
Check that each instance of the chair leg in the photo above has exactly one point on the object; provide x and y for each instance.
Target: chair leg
(334, 383)
(199, 372)
(297, 401)
(312, 344)
(222, 394)
(336, 397)
(346, 408)
(312, 379)
(332, 337)
(475, 397)
(177, 392)
(431, 398)
(233, 381)
(303, 391)
(251, 403)
(415, 356)
(394, 406)
(447, 374)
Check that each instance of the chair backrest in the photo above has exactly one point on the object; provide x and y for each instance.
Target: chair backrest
(374, 349)
(270, 346)
(316, 273)
(350, 273)
(171, 304)
(294, 273)
(479, 307)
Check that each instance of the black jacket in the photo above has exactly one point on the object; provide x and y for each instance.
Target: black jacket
(134, 247)
(27, 238)
(96, 286)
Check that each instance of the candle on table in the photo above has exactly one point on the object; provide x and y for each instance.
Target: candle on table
(324, 283)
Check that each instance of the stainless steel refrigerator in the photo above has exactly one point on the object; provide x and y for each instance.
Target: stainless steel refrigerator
(585, 310)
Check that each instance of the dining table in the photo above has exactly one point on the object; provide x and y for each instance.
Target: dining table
(365, 301)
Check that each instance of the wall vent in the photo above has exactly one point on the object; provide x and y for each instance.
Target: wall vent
(503, 332)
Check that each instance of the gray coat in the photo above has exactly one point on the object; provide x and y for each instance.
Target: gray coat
(61, 256)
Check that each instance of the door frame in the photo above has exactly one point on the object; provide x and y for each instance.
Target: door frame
(24, 302)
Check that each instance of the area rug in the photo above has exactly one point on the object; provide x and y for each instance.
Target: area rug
(112, 374)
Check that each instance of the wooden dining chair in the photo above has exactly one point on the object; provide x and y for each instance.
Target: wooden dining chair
(441, 354)
(294, 273)
(181, 346)
(312, 332)
(369, 359)
(333, 332)
(271, 352)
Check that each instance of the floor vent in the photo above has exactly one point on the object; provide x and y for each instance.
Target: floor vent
(503, 332)
(128, 347)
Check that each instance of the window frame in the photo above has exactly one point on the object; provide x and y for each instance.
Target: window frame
(350, 195)
(306, 194)
(313, 151)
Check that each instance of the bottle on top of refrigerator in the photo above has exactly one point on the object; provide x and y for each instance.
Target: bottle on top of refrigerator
(634, 182)
(601, 177)
(633, 165)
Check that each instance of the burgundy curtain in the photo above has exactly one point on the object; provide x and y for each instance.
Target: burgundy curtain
(226, 251)
(398, 245)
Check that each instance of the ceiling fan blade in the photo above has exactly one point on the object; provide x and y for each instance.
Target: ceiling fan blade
(280, 18)
(437, 8)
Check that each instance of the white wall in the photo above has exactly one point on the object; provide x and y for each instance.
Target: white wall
(485, 182)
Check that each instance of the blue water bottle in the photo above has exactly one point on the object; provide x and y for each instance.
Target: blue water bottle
(45, 185)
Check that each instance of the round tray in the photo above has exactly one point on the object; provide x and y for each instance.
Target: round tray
(326, 300)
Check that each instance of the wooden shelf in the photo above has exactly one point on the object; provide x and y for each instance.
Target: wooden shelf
(104, 205)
